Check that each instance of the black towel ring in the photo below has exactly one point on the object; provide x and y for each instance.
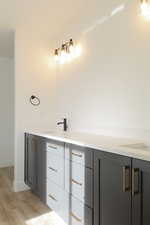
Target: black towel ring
(34, 100)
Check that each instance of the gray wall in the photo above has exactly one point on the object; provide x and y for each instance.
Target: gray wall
(6, 112)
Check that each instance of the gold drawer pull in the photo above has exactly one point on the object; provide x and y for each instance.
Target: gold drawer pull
(50, 146)
(53, 169)
(76, 182)
(52, 198)
(75, 217)
(78, 155)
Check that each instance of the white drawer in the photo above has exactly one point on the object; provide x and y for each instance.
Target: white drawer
(55, 169)
(56, 148)
(78, 154)
(79, 213)
(74, 179)
(79, 182)
(58, 201)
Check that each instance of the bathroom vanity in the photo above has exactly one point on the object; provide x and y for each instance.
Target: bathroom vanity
(89, 180)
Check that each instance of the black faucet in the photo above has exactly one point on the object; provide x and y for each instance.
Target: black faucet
(64, 122)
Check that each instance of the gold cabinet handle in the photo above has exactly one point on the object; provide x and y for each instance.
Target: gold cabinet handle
(76, 182)
(126, 178)
(135, 181)
(75, 217)
(78, 155)
(53, 169)
(52, 198)
(50, 146)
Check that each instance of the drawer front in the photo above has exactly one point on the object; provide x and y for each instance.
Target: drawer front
(79, 182)
(81, 155)
(56, 148)
(58, 200)
(79, 213)
(54, 196)
(55, 169)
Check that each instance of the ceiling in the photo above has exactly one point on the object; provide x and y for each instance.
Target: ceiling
(53, 17)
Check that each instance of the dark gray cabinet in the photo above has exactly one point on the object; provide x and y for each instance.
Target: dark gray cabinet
(112, 189)
(35, 164)
(141, 192)
(30, 152)
(121, 190)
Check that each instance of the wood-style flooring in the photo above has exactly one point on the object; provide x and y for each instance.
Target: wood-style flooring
(21, 208)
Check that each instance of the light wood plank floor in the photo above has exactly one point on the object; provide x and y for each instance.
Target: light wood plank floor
(22, 208)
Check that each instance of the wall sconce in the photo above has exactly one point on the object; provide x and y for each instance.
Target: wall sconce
(145, 9)
(67, 52)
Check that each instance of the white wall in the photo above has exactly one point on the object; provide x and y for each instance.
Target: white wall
(6, 112)
(105, 91)
(32, 77)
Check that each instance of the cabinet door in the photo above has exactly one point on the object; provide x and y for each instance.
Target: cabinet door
(35, 165)
(41, 169)
(140, 192)
(30, 160)
(112, 189)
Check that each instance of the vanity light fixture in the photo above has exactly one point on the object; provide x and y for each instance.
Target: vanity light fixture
(67, 52)
(145, 9)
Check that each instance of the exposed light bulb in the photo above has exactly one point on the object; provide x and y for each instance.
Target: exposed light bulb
(71, 45)
(71, 50)
(56, 56)
(68, 53)
(145, 9)
(63, 55)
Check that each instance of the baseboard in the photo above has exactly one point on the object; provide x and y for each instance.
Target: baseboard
(7, 164)
(20, 186)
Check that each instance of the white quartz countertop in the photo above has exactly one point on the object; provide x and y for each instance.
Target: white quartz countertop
(122, 146)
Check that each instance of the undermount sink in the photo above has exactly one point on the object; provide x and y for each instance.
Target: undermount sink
(140, 146)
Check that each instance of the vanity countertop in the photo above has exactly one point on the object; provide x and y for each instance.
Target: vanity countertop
(122, 146)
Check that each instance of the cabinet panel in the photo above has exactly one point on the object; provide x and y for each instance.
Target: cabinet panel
(141, 193)
(41, 169)
(58, 200)
(30, 160)
(54, 147)
(35, 161)
(112, 191)
(81, 155)
(79, 213)
(55, 169)
(79, 182)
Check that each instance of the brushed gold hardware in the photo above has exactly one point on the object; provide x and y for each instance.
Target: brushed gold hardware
(53, 169)
(76, 182)
(52, 198)
(126, 178)
(135, 179)
(50, 146)
(75, 217)
(78, 155)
